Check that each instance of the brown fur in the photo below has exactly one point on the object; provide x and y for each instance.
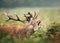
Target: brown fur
(56, 39)
(15, 31)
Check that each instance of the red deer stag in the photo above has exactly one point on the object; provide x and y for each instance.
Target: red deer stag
(30, 26)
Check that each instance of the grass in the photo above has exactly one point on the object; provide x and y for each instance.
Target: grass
(49, 20)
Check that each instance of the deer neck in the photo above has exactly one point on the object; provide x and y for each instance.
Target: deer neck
(30, 30)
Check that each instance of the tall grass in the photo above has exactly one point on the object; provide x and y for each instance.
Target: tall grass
(50, 19)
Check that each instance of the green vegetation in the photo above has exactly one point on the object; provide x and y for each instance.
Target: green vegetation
(50, 28)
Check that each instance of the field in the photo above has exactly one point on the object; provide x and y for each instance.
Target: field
(50, 25)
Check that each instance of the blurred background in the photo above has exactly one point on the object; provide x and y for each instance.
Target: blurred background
(29, 3)
(48, 12)
(50, 24)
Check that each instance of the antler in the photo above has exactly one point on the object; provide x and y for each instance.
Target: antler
(11, 18)
(30, 14)
(35, 15)
(28, 17)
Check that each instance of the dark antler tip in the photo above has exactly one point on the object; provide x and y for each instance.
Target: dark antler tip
(28, 12)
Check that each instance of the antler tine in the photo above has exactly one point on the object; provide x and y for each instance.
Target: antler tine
(25, 16)
(28, 17)
(10, 18)
(19, 19)
(30, 14)
(35, 15)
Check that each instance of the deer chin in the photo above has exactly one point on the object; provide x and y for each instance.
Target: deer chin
(36, 30)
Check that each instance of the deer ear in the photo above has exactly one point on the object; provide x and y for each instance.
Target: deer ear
(38, 22)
